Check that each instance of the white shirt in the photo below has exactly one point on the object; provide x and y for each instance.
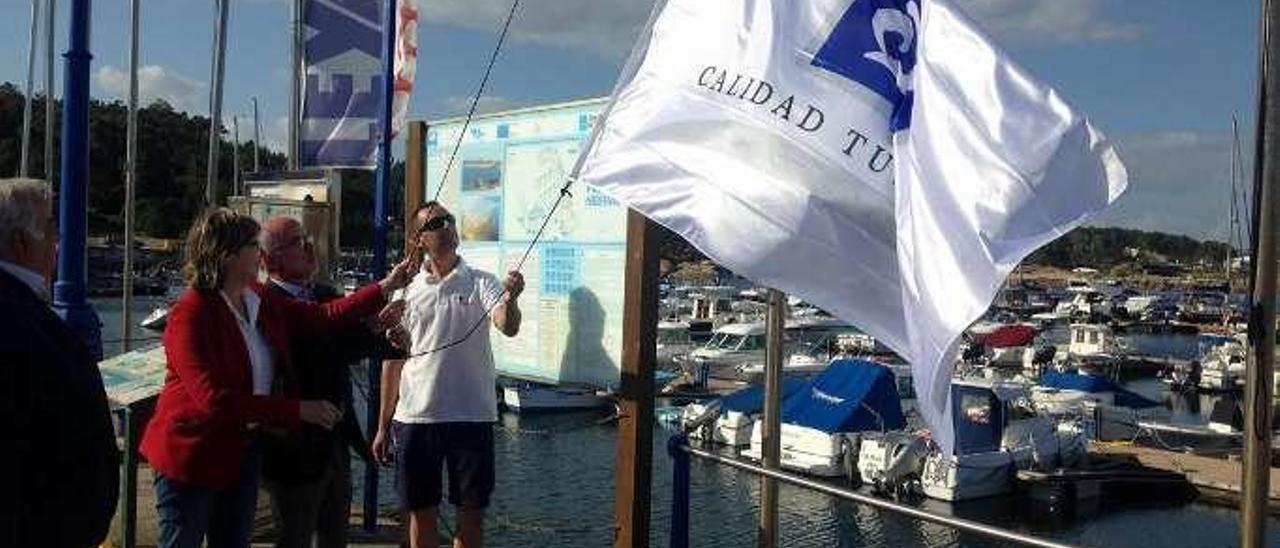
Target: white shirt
(260, 359)
(33, 279)
(458, 383)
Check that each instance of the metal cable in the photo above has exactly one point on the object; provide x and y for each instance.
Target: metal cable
(476, 99)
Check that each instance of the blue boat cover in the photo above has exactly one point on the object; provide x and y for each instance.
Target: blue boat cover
(1094, 384)
(849, 396)
(750, 400)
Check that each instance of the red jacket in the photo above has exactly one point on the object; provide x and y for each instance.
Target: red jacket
(198, 432)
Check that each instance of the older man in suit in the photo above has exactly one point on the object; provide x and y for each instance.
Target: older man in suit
(308, 475)
(57, 445)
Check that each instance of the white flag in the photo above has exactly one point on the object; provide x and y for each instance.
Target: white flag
(878, 158)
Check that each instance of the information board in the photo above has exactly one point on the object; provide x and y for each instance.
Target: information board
(502, 186)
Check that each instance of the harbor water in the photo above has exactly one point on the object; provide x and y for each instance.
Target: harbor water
(556, 482)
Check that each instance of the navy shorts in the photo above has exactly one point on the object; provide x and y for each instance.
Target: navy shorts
(424, 451)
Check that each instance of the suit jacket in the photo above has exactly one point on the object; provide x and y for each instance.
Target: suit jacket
(57, 443)
(322, 372)
(198, 433)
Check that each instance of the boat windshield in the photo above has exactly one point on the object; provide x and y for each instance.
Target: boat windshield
(673, 336)
(719, 341)
(749, 342)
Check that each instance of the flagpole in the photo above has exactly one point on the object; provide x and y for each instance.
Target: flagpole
(48, 90)
(1262, 324)
(379, 266)
(215, 102)
(26, 103)
(771, 441)
(73, 196)
(130, 177)
(295, 83)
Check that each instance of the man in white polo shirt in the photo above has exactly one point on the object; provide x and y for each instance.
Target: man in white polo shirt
(443, 395)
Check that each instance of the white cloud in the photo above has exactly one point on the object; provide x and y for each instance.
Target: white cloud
(1054, 21)
(1179, 182)
(606, 28)
(156, 82)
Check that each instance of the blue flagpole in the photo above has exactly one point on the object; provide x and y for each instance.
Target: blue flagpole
(69, 290)
(380, 246)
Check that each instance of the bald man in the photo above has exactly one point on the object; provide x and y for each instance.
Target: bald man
(308, 475)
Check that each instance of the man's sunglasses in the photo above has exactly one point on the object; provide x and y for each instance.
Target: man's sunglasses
(436, 223)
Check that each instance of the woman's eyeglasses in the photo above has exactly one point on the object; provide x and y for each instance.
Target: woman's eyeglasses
(436, 223)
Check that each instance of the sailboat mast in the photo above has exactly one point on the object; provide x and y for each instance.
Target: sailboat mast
(256, 143)
(1233, 219)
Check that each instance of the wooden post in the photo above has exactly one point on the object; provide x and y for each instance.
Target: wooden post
(771, 447)
(634, 472)
(415, 177)
(1256, 471)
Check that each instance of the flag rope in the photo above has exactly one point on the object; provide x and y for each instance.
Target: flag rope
(475, 100)
(564, 192)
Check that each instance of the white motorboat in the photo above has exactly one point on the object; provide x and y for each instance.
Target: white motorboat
(1222, 361)
(524, 397)
(994, 436)
(734, 414)
(157, 319)
(822, 421)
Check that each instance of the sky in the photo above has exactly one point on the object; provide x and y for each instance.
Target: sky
(1162, 78)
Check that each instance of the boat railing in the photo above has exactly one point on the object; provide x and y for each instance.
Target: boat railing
(680, 451)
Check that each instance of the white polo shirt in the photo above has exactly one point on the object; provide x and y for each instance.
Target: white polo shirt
(454, 384)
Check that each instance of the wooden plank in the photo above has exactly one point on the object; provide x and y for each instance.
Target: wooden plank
(634, 473)
(415, 176)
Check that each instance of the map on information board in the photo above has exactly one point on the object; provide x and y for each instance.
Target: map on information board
(503, 187)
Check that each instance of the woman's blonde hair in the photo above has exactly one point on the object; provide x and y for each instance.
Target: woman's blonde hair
(217, 235)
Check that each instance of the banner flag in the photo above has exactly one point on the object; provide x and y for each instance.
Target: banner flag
(342, 92)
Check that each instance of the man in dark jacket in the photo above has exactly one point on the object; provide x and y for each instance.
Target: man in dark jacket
(308, 474)
(57, 445)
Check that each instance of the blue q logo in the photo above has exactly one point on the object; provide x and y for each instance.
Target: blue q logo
(874, 44)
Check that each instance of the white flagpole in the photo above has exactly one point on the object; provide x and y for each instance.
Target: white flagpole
(131, 175)
(295, 80)
(215, 102)
(26, 103)
(48, 90)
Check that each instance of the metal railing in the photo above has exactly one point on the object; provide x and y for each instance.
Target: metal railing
(679, 449)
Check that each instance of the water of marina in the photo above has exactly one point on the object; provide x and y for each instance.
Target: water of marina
(555, 488)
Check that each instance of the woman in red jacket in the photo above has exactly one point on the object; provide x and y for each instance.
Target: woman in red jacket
(227, 343)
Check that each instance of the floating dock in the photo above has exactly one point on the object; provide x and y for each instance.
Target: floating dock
(1217, 479)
